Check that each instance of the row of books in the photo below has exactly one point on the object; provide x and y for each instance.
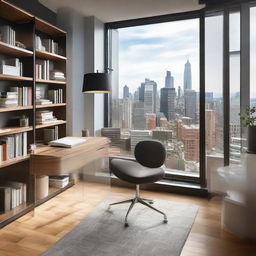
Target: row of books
(43, 69)
(56, 96)
(12, 67)
(58, 181)
(24, 95)
(13, 146)
(8, 34)
(48, 45)
(12, 194)
(51, 134)
(45, 117)
(58, 75)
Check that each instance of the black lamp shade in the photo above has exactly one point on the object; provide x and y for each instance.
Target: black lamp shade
(96, 83)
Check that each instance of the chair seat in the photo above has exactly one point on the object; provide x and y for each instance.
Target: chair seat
(134, 172)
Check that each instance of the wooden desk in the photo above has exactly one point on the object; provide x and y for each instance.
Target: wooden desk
(60, 161)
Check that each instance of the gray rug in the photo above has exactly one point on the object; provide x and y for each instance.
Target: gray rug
(102, 233)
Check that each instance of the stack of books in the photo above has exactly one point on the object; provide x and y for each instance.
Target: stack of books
(13, 146)
(57, 75)
(43, 69)
(24, 95)
(12, 194)
(48, 45)
(12, 67)
(8, 99)
(56, 96)
(7, 35)
(58, 181)
(45, 117)
(51, 134)
(43, 102)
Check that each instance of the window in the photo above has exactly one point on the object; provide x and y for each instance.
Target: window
(253, 56)
(156, 81)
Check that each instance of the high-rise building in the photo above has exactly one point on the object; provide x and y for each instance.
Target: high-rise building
(139, 135)
(167, 102)
(127, 113)
(150, 121)
(149, 85)
(210, 128)
(187, 77)
(149, 98)
(189, 135)
(179, 92)
(126, 92)
(139, 120)
(113, 134)
(162, 135)
(169, 80)
(190, 104)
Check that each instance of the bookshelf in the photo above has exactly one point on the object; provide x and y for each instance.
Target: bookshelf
(27, 27)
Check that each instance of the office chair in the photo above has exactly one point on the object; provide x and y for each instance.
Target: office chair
(150, 156)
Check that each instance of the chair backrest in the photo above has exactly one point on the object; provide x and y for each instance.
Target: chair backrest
(150, 153)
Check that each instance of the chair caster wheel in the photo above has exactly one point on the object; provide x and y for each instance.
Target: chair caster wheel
(126, 225)
(165, 221)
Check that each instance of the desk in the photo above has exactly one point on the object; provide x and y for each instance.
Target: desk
(59, 161)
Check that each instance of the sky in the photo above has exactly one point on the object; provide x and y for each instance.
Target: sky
(149, 51)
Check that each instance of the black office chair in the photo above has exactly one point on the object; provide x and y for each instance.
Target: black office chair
(150, 156)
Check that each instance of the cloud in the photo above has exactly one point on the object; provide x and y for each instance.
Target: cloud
(148, 51)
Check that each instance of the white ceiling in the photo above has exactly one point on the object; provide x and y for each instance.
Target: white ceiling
(116, 10)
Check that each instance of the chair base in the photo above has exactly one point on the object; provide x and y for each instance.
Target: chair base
(138, 199)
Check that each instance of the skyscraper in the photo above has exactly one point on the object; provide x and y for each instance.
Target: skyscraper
(126, 92)
(210, 128)
(187, 77)
(167, 102)
(149, 84)
(169, 80)
(190, 104)
(127, 113)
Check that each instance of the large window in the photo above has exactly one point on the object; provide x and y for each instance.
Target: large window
(158, 91)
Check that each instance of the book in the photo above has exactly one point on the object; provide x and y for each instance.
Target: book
(67, 142)
(59, 181)
(5, 198)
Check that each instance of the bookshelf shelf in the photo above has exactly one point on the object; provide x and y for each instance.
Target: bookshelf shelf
(48, 28)
(15, 78)
(14, 161)
(51, 105)
(40, 126)
(49, 56)
(50, 81)
(12, 13)
(15, 109)
(14, 51)
(13, 130)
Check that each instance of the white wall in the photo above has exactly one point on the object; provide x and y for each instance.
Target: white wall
(85, 54)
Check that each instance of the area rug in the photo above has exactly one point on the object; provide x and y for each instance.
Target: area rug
(102, 232)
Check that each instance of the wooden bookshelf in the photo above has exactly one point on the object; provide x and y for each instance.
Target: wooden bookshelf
(27, 26)
(13, 130)
(51, 105)
(43, 81)
(15, 78)
(19, 108)
(49, 56)
(40, 126)
(14, 50)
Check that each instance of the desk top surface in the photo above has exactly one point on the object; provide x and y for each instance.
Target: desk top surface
(91, 144)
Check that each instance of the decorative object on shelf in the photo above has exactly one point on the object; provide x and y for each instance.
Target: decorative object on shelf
(24, 122)
(96, 83)
(248, 119)
(85, 133)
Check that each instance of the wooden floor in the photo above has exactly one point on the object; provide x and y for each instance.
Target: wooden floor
(35, 232)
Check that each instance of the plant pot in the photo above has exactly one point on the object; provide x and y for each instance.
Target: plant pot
(251, 139)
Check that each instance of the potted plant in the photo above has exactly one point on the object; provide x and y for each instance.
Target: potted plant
(248, 119)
